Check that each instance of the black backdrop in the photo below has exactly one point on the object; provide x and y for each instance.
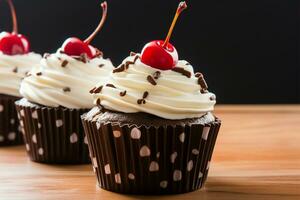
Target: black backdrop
(248, 50)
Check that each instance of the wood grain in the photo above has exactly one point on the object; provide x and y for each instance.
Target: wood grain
(257, 156)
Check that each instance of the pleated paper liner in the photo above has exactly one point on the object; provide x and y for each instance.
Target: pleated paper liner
(151, 160)
(10, 132)
(53, 135)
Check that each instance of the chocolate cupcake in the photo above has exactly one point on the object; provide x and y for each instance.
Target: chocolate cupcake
(152, 130)
(55, 95)
(15, 61)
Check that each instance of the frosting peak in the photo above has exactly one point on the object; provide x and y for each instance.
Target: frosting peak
(172, 94)
(62, 80)
(13, 69)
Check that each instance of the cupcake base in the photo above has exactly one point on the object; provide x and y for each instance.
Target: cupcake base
(53, 135)
(167, 158)
(10, 132)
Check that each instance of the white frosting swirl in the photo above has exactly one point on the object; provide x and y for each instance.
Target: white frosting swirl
(62, 80)
(13, 69)
(175, 96)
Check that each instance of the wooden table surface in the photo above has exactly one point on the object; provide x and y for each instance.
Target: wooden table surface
(257, 156)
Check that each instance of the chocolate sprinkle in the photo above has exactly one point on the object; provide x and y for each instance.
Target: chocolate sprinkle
(98, 102)
(122, 94)
(182, 71)
(98, 53)
(121, 68)
(101, 65)
(212, 98)
(132, 53)
(64, 63)
(135, 59)
(202, 83)
(15, 70)
(39, 73)
(141, 101)
(96, 90)
(198, 74)
(83, 57)
(67, 89)
(145, 95)
(156, 74)
(128, 63)
(203, 91)
(110, 85)
(151, 80)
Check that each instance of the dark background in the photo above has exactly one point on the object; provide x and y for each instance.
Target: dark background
(248, 50)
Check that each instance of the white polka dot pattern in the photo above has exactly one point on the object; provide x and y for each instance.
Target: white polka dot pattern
(135, 133)
(131, 176)
(118, 178)
(58, 123)
(1, 108)
(182, 137)
(107, 169)
(154, 166)
(205, 132)
(177, 175)
(12, 136)
(190, 165)
(173, 157)
(145, 151)
(33, 138)
(41, 151)
(117, 133)
(34, 114)
(73, 138)
(163, 184)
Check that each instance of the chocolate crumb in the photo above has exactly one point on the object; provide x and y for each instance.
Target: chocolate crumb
(39, 73)
(187, 63)
(15, 70)
(98, 89)
(122, 94)
(182, 71)
(101, 65)
(110, 85)
(151, 80)
(27, 74)
(145, 95)
(67, 89)
(64, 63)
(156, 75)
(132, 53)
(121, 68)
(98, 102)
(61, 51)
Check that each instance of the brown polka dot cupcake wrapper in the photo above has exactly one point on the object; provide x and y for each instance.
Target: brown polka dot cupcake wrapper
(53, 135)
(151, 160)
(10, 131)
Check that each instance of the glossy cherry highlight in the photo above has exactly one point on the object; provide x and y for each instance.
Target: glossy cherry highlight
(162, 54)
(75, 47)
(13, 43)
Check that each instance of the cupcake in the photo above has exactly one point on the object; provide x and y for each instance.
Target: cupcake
(152, 130)
(55, 95)
(15, 61)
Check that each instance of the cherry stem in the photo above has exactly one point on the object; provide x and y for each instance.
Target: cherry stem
(13, 15)
(101, 23)
(182, 6)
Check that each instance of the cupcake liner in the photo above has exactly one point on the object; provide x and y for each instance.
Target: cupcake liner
(151, 160)
(10, 133)
(53, 135)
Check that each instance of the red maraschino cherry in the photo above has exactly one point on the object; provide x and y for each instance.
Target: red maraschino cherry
(162, 54)
(75, 47)
(13, 43)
